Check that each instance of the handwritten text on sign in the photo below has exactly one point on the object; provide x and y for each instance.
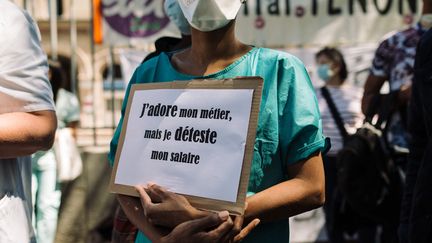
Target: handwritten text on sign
(190, 141)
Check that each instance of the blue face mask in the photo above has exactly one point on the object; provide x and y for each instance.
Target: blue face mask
(324, 72)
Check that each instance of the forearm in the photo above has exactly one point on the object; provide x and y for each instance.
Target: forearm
(74, 128)
(404, 94)
(365, 103)
(304, 192)
(284, 200)
(23, 133)
(371, 89)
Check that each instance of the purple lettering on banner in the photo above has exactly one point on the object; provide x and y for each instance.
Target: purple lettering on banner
(135, 18)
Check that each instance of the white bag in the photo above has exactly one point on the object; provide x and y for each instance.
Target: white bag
(69, 163)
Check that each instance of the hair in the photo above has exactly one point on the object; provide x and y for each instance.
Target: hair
(335, 56)
(57, 78)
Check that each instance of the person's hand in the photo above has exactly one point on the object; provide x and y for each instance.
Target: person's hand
(164, 208)
(238, 233)
(167, 209)
(134, 211)
(246, 230)
(202, 230)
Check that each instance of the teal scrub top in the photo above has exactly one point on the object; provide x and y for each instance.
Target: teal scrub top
(289, 124)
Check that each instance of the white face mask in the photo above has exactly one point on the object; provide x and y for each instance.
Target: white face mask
(209, 15)
(426, 21)
(174, 12)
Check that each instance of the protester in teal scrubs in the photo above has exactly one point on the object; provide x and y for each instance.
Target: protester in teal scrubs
(287, 175)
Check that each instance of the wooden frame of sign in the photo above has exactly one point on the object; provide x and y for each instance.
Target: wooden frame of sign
(255, 83)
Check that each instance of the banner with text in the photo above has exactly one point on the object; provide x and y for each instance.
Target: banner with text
(271, 22)
(135, 21)
(322, 22)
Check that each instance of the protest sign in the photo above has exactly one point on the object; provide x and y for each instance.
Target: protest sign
(194, 138)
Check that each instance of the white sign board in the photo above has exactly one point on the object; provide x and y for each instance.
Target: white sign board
(178, 138)
(190, 141)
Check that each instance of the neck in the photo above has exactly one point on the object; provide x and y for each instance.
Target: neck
(215, 45)
(184, 43)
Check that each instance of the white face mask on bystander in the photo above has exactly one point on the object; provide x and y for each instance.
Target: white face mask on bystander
(209, 15)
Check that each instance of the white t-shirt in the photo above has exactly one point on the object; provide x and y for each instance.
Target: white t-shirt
(348, 102)
(24, 87)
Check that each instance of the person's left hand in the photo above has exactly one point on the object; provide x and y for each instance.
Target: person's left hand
(238, 232)
(212, 228)
(246, 230)
(166, 209)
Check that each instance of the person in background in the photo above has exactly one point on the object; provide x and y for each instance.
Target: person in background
(46, 193)
(287, 176)
(27, 118)
(416, 213)
(394, 62)
(332, 70)
(168, 44)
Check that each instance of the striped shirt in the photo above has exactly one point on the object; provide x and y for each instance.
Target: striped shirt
(348, 102)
